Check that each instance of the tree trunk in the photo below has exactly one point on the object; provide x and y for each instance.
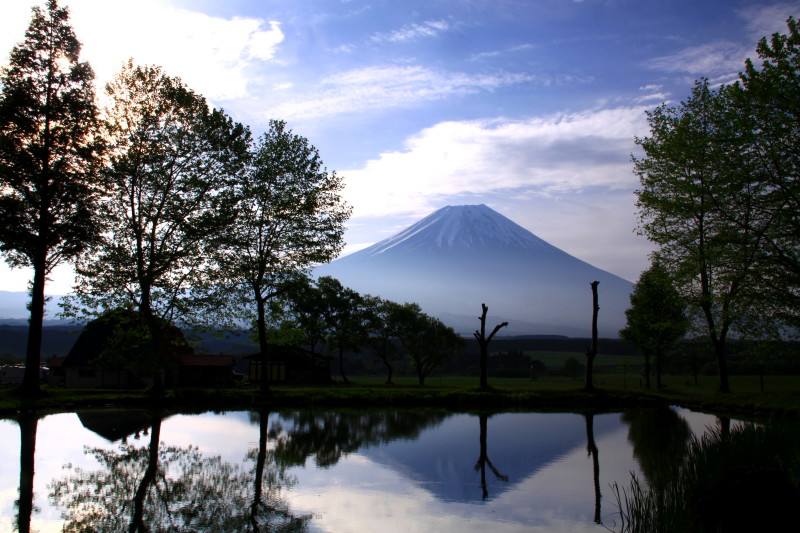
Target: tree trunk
(33, 357)
(484, 455)
(263, 345)
(261, 460)
(27, 453)
(484, 382)
(341, 366)
(591, 352)
(137, 519)
(722, 366)
(483, 343)
(389, 370)
(658, 367)
(591, 448)
(385, 359)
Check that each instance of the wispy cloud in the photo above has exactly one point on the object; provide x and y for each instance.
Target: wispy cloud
(723, 59)
(763, 21)
(413, 32)
(496, 53)
(548, 155)
(705, 60)
(390, 87)
(653, 95)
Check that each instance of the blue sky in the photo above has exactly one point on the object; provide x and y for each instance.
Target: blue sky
(528, 106)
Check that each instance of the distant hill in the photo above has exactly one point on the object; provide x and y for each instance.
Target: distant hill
(461, 256)
(58, 340)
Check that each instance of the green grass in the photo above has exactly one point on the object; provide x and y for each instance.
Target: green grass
(555, 360)
(615, 391)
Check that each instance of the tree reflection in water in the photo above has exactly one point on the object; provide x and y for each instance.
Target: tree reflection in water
(327, 436)
(660, 439)
(591, 449)
(28, 422)
(483, 458)
(158, 488)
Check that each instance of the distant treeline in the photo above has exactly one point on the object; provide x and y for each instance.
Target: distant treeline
(58, 340)
(509, 357)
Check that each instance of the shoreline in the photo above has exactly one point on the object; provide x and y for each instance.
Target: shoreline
(778, 405)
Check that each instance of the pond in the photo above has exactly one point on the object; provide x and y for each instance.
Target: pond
(331, 471)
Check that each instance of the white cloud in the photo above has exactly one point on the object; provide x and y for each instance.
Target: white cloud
(763, 21)
(723, 59)
(548, 155)
(497, 53)
(654, 97)
(390, 86)
(211, 54)
(704, 60)
(413, 32)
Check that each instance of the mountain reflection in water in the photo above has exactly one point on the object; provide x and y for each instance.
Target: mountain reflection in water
(425, 470)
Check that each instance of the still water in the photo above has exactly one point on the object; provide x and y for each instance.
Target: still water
(338, 471)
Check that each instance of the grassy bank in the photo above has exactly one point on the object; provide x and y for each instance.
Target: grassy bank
(781, 396)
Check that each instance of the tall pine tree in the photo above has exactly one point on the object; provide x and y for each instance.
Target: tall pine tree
(50, 155)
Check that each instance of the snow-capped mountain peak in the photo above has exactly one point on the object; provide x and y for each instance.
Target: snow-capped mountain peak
(462, 227)
(461, 256)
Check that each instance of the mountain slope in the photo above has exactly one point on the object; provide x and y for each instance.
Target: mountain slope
(461, 256)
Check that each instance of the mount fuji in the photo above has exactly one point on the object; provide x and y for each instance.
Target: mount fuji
(461, 256)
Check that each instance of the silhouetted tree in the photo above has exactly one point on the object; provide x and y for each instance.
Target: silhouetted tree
(483, 344)
(764, 104)
(50, 156)
(383, 316)
(656, 317)
(290, 216)
(345, 319)
(591, 351)
(426, 340)
(171, 174)
(304, 302)
(692, 164)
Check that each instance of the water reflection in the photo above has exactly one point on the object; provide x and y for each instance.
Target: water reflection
(156, 471)
(157, 488)
(660, 438)
(483, 458)
(27, 449)
(326, 436)
(591, 449)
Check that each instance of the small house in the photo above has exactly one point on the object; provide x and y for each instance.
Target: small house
(106, 354)
(204, 371)
(291, 365)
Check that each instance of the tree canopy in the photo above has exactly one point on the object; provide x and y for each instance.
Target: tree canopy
(290, 216)
(172, 166)
(656, 317)
(719, 196)
(50, 156)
